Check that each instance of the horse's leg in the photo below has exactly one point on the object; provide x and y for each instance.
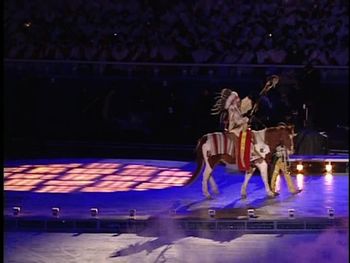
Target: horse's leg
(262, 166)
(207, 171)
(213, 162)
(206, 176)
(213, 184)
(247, 177)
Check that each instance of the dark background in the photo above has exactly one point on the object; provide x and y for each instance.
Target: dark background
(141, 113)
(137, 78)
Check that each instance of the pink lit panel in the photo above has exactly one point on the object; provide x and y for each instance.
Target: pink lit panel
(176, 173)
(92, 171)
(69, 183)
(34, 176)
(105, 189)
(126, 178)
(80, 176)
(55, 165)
(16, 182)
(56, 189)
(112, 184)
(153, 186)
(169, 180)
(140, 166)
(143, 172)
(7, 175)
(46, 169)
(119, 178)
(15, 169)
(103, 165)
(70, 165)
(18, 187)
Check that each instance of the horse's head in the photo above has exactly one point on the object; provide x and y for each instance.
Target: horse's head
(281, 136)
(287, 138)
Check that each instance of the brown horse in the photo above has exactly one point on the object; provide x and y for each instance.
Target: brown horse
(220, 147)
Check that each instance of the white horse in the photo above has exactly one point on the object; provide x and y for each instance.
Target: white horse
(217, 147)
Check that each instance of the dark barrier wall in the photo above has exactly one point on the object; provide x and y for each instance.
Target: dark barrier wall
(144, 107)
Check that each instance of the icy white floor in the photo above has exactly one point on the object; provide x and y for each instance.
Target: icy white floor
(27, 247)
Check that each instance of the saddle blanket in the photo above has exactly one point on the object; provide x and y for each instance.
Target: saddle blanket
(221, 143)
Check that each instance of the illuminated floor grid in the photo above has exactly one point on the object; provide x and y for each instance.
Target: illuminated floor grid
(154, 188)
(91, 177)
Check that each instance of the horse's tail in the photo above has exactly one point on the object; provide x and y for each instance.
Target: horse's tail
(199, 160)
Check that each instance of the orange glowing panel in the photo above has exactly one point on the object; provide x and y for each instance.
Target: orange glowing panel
(103, 165)
(34, 176)
(47, 170)
(22, 182)
(143, 172)
(15, 169)
(175, 173)
(153, 186)
(19, 188)
(169, 180)
(91, 171)
(56, 189)
(80, 176)
(105, 189)
(70, 183)
(112, 184)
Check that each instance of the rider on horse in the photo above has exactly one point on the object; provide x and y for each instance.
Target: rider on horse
(228, 105)
(251, 147)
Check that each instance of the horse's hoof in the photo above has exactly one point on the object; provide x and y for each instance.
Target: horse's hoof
(208, 197)
(272, 195)
(243, 196)
(276, 193)
(297, 192)
(216, 192)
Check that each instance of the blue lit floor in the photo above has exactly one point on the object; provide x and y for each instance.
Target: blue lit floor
(154, 188)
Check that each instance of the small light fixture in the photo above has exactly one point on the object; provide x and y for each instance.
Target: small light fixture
(16, 210)
(300, 167)
(330, 213)
(211, 213)
(94, 212)
(251, 213)
(291, 214)
(328, 167)
(55, 211)
(132, 213)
